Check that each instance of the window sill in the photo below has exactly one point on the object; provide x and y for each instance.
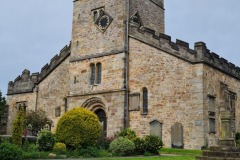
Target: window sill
(94, 85)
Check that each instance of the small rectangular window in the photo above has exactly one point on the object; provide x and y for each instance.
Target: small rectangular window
(211, 103)
(212, 124)
(58, 112)
(211, 113)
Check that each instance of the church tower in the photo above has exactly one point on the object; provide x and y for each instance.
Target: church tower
(101, 26)
(99, 55)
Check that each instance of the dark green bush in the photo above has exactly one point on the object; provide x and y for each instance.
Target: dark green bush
(237, 136)
(153, 144)
(59, 148)
(18, 127)
(6, 139)
(78, 128)
(107, 142)
(140, 145)
(35, 155)
(149, 144)
(122, 146)
(89, 152)
(28, 147)
(128, 133)
(104, 153)
(2, 104)
(10, 151)
(45, 140)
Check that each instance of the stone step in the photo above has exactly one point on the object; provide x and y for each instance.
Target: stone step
(221, 154)
(215, 158)
(225, 149)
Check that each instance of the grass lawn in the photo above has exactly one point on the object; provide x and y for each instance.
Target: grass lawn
(180, 151)
(148, 158)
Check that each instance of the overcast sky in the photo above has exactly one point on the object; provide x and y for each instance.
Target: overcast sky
(32, 32)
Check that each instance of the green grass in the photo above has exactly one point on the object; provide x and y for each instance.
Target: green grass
(180, 151)
(35, 155)
(148, 158)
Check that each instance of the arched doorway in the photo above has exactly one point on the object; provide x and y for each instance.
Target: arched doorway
(96, 105)
(103, 120)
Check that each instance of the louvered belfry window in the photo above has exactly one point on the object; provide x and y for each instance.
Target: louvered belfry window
(99, 73)
(92, 77)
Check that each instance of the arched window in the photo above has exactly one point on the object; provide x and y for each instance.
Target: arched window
(92, 77)
(99, 73)
(145, 101)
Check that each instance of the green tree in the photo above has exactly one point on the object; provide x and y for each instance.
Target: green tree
(2, 104)
(37, 120)
(18, 127)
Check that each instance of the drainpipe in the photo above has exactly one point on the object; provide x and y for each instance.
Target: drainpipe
(126, 75)
(36, 91)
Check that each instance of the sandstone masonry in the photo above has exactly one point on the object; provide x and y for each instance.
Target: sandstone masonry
(122, 66)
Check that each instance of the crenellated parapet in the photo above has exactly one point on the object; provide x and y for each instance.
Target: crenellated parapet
(26, 82)
(23, 83)
(55, 61)
(180, 49)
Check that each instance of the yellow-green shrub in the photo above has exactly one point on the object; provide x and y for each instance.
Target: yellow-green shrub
(78, 127)
(18, 127)
(59, 148)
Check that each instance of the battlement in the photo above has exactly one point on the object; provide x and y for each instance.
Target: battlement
(23, 83)
(26, 83)
(55, 61)
(180, 49)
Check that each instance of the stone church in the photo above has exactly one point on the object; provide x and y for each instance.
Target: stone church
(122, 66)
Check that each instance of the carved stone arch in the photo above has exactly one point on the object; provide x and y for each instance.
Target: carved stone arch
(94, 104)
(97, 106)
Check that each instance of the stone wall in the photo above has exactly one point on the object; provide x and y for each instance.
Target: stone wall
(151, 13)
(13, 100)
(86, 37)
(181, 50)
(52, 91)
(175, 93)
(212, 87)
(112, 75)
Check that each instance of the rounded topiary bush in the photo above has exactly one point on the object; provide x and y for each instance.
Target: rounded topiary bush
(78, 127)
(122, 146)
(45, 140)
(59, 148)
